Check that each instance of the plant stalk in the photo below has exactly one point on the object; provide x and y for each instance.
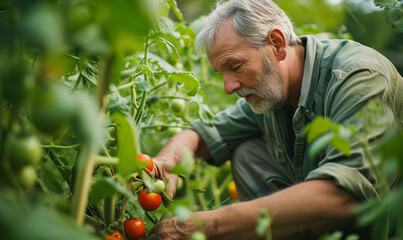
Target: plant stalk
(85, 165)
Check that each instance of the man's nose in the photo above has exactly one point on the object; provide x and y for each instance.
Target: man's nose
(231, 84)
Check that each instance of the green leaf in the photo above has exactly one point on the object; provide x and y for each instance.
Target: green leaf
(319, 144)
(128, 147)
(146, 70)
(164, 10)
(90, 71)
(264, 222)
(341, 145)
(205, 114)
(106, 187)
(148, 181)
(383, 3)
(175, 9)
(90, 39)
(188, 79)
(394, 17)
(166, 25)
(317, 127)
(170, 47)
(127, 21)
(142, 85)
(352, 237)
(391, 148)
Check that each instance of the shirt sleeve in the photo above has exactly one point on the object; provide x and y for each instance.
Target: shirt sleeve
(231, 127)
(347, 98)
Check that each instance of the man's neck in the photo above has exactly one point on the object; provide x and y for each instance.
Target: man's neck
(296, 61)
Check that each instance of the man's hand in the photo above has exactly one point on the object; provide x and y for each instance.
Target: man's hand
(172, 229)
(160, 171)
(171, 155)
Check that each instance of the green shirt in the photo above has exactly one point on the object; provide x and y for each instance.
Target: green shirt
(340, 78)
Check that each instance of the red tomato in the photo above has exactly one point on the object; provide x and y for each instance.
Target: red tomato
(147, 159)
(114, 236)
(134, 228)
(149, 201)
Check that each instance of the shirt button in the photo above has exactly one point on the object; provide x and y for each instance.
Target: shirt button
(307, 110)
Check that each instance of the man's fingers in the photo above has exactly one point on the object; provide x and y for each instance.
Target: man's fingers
(172, 179)
(152, 234)
(171, 185)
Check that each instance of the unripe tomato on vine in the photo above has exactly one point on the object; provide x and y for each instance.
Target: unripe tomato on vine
(27, 176)
(114, 236)
(147, 159)
(24, 150)
(134, 228)
(159, 186)
(178, 106)
(149, 201)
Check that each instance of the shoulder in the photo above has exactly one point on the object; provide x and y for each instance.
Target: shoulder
(348, 57)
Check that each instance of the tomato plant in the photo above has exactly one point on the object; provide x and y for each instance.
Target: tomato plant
(134, 228)
(149, 201)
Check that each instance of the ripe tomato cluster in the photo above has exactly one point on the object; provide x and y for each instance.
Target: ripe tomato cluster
(134, 227)
(150, 201)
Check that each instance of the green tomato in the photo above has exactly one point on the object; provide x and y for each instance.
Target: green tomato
(179, 186)
(24, 150)
(174, 130)
(52, 108)
(27, 176)
(178, 106)
(198, 236)
(159, 186)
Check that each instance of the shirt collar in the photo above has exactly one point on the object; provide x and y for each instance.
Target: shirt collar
(313, 53)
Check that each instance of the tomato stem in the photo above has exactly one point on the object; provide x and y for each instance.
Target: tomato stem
(151, 218)
(109, 209)
(106, 160)
(75, 146)
(85, 164)
(124, 201)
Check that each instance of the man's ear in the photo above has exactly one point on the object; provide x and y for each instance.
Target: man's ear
(277, 40)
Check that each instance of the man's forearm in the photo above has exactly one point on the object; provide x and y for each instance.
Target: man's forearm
(299, 212)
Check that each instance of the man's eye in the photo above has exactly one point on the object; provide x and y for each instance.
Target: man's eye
(235, 68)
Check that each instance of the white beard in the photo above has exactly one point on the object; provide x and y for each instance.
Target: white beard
(270, 89)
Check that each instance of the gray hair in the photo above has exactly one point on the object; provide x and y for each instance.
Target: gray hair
(252, 19)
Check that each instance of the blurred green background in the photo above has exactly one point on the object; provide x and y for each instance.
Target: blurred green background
(359, 18)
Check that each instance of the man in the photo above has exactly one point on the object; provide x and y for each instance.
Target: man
(284, 82)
